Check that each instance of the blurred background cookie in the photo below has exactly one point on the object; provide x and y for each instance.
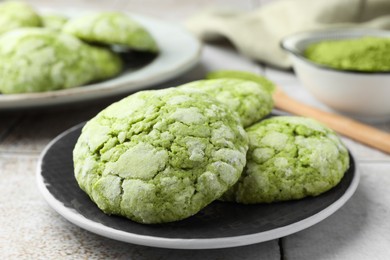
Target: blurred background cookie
(111, 28)
(15, 14)
(37, 59)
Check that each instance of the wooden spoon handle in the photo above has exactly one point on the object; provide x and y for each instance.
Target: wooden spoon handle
(350, 128)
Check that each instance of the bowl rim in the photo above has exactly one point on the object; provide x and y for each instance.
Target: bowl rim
(350, 32)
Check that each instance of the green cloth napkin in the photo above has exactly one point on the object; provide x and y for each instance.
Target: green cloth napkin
(257, 34)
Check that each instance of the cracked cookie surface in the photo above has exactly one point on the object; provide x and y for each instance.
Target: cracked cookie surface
(160, 156)
(289, 158)
(250, 100)
(37, 59)
(111, 28)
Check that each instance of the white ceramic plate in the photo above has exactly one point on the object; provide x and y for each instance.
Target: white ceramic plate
(180, 51)
(219, 225)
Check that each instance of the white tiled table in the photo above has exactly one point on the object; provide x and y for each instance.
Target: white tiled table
(30, 229)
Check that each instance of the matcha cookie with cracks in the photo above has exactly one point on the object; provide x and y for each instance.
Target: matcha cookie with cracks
(289, 158)
(36, 60)
(250, 100)
(160, 156)
(111, 28)
(15, 14)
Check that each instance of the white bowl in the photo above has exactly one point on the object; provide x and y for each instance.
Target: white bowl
(363, 95)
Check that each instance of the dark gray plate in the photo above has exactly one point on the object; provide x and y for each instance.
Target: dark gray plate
(221, 224)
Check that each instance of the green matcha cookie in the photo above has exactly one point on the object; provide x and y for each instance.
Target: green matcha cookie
(250, 100)
(112, 29)
(289, 158)
(36, 59)
(160, 156)
(237, 74)
(54, 21)
(14, 14)
(106, 63)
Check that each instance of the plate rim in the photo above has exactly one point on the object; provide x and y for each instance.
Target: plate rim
(179, 243)
(93, 91)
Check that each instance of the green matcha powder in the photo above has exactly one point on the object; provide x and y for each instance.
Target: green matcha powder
(369, 54)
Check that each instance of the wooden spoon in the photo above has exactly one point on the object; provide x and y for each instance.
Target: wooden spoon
(350, 128)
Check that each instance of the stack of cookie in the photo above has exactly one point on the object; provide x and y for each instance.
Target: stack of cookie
(163, 155)
(51, 52)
